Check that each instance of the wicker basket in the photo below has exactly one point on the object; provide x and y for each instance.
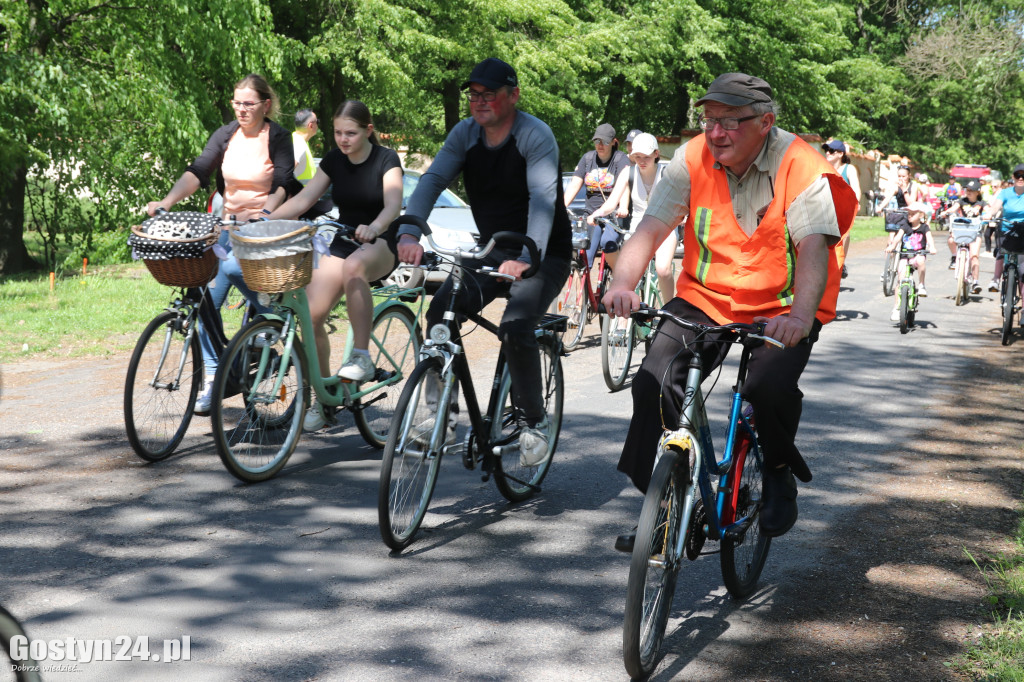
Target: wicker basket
(265, 271)
(183, 272)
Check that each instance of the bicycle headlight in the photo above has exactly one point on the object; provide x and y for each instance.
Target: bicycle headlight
(439, 334)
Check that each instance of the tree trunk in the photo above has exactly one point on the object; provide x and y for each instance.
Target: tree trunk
(452, 98)
(14, 256)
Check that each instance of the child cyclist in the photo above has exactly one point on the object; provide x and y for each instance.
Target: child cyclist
(916, 238)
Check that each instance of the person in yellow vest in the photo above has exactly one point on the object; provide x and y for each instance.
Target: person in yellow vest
(306, 126)
(765, 214)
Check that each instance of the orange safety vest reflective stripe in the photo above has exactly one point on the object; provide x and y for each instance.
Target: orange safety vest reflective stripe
(733, 277)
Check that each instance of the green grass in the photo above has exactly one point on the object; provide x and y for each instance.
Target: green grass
(867, 228)
(998, 654)
(99, 314)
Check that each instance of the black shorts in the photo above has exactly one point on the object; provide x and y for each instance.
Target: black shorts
(343, 248)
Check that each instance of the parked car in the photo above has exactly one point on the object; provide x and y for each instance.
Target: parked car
(579, 202)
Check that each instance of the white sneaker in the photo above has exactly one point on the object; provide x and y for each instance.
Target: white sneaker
(922, 292)
(894, 316)
(533, 445)
(993, 285)
(358, 368)
(975, 286)
(205, 397)
(313, 421)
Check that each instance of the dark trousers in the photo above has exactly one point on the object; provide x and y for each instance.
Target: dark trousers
(771, 388)
(528, 301)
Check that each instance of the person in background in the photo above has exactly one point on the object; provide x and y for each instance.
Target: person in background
(598, 170)
(306, 126)
(837, 154)
(1009, 204)
(969, 205)
(914, 238)
(253, 160)
(630, 136)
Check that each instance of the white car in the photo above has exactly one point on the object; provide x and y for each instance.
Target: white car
(451, 224)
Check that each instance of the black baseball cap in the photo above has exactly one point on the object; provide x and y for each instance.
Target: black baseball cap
(737, 90)
(973, 184)
(492, 73)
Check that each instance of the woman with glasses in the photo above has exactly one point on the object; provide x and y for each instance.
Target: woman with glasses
(366, 185)
(253, 160)
(599, 170)
(1011, 202)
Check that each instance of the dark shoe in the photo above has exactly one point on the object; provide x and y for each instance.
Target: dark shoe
(624, 543)
(778, 512)
(846, 273)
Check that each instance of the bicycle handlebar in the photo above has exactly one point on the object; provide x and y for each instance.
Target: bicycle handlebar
(742, 330)
(477, 252)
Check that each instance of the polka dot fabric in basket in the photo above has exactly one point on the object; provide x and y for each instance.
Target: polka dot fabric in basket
(163, 231)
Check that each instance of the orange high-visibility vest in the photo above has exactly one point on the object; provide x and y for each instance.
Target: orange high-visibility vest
(733, 277)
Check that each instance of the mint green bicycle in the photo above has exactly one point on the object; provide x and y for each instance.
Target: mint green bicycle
(262, 388)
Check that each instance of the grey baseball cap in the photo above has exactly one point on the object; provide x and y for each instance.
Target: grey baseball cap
(605, 132)
(737, 90)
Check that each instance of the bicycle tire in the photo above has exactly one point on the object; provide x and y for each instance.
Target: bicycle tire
(1009, 285)
(394, 346)
(618, 336)
(652, 573)
(516, 482)
(889, 274)
(743, 561)
(25, 668)
(574, 306)
(408, 471)
(961, 278)
(254, 430)
(156, 418)
(904, 308)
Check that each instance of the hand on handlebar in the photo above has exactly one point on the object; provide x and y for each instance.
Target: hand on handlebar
(786, 328)
(410, 251)
(514, 268)
(365, 233)
(153, 206)
(621, 302)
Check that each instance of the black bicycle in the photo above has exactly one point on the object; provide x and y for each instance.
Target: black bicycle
(422, 430)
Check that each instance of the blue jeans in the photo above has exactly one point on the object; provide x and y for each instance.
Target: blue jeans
(228, 273)
(606, 239)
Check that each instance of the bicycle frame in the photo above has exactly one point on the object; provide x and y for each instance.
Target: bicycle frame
(720, 502)
(291, 309)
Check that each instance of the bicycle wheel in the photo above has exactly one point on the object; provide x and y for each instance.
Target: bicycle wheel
(160, 389)
(743, 559)
(1009, 301)
(256, 430)
(517, 482)
(889, 273)
(574, 305)
(961, 277)
(19, 664)
(617, 340)
(904, 307)
(394, 344)
(408, 471)
(653, 570)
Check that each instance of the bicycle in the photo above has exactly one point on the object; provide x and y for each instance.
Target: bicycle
(889, 269)
(1011, 244)
(257, 428)
(964, 232)
(165, 371)
(907, 297)
(419, 434)
(19, 661)
(683, 508)
(579, 302)
(620, 335)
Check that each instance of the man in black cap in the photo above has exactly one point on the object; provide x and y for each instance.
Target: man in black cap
(764, 212)
(509, 165)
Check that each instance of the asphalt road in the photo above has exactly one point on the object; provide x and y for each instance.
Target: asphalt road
(289, 580)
